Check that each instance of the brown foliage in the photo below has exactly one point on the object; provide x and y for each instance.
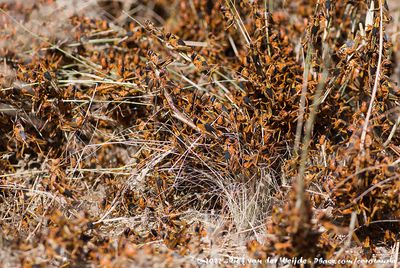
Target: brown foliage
(115, 128)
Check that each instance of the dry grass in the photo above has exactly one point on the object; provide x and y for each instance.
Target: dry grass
(165, 133)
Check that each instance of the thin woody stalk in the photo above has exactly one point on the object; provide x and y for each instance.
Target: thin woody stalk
(308, 129)
(376, 83)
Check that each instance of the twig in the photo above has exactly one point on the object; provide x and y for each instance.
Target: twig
(178, 115)
(392, 132)
(396, 254)
(308, 127)
(369, 190)
(266, 27)
(239, 22)
(195, 43)
(375, 89)
(349, 236)
(300, 117)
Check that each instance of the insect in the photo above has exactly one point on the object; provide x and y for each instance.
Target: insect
(229, 19)
(199, 62)
(175, 43)
(49, 78)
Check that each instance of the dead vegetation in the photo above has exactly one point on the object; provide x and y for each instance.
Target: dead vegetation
(160, 133)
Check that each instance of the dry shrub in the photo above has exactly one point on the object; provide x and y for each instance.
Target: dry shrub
(157, 132)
